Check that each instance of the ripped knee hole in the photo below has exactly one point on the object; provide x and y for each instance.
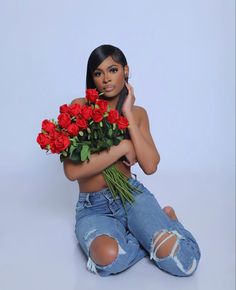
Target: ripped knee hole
(103, 250)
(165, 244)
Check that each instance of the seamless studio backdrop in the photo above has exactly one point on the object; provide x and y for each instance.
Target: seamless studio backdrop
(181, 58)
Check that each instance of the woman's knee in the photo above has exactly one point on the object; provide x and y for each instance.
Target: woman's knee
(181, 261)
(164, 244)
(104, 250)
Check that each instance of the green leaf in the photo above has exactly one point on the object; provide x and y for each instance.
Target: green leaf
(84, 152)
(101, 124)
(88, 155)
(109, 142)
(73, 141)
(120, 138)
(81, 133)
(110, 132)
(75, 156)
(72, 148)
(116, 142)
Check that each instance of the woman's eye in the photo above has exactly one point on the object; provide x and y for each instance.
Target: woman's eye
(114, 69)
(97, 74)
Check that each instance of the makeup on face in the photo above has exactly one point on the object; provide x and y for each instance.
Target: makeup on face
(109, 77)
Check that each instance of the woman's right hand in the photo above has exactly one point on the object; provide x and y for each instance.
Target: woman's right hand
(130, 153)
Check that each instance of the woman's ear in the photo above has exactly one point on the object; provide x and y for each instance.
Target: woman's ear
(126, 71)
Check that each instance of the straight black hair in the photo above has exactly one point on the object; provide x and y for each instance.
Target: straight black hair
(97, 56)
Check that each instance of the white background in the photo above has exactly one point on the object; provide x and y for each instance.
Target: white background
(181, 58)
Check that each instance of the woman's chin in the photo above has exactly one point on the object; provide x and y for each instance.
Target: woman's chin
(109, 95)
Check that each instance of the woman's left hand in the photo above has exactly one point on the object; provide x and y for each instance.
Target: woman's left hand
(129, 101)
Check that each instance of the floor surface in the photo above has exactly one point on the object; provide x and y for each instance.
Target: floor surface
(38, 248)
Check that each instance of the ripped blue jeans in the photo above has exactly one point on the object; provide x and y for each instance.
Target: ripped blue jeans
(136, 232)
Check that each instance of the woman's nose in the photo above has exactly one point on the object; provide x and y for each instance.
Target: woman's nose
(106, 78)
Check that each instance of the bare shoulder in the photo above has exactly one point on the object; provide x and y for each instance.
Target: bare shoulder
(80, 101)
(140, 110)
(140, 114)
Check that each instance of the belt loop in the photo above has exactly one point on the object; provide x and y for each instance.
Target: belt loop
(87, 200)
(135, 175)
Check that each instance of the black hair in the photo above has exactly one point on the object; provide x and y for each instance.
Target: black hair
(97, 56)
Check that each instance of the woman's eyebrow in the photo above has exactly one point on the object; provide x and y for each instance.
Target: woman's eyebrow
(108, 67)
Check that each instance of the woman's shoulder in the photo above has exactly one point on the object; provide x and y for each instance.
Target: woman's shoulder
(80, 101)
(140, 114)
(140, 111)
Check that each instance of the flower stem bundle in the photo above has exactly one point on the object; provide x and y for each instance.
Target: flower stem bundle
(118, 184)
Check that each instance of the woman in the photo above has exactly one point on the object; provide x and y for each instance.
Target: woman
(112, 240)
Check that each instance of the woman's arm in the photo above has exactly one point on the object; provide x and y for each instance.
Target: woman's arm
(146, 151)
(97, 162)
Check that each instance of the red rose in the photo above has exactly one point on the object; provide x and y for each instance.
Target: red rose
(91, 95)
(43, 140)
(97, 115)
(102, 105)
(86, 112)
(74, 109)
(113, 116)
(64, 120)
(81, 123)
(122, 123)
(73, 129)
(53, 147)
(64, 108)
(54, 134)
(48, 126)
(60, 144)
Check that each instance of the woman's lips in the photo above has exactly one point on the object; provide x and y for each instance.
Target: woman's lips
(109, 88)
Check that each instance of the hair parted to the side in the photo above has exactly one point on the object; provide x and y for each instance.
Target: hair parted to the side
(97, 56)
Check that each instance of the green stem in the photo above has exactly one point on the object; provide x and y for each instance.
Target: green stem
(118, 183)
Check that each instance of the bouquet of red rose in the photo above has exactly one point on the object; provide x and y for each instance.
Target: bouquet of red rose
(81, 130)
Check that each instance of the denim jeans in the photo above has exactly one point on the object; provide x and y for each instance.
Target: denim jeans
(99, 213)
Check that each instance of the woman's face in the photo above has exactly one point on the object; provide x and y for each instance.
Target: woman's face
(109, 77)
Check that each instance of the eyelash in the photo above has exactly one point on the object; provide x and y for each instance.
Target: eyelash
(114, 70)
